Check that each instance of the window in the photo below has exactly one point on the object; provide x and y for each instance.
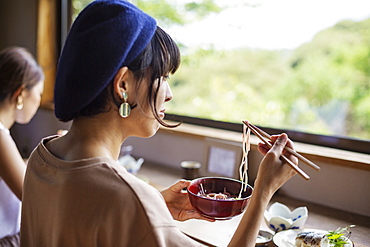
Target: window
(297, 66)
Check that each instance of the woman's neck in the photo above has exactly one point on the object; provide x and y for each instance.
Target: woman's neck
(88, 138)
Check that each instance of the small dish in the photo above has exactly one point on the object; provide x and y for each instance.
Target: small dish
(264, 238)
(287, 238)
(279, 217)
(218, 209)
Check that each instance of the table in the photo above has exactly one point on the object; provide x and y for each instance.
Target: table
(219, 233)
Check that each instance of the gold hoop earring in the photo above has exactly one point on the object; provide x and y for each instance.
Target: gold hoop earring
(19, 103)
(125, 108)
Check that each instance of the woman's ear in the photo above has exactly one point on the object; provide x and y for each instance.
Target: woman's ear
(17, 93)
(123, 80)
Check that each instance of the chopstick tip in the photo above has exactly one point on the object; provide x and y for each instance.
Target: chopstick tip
(246, 122)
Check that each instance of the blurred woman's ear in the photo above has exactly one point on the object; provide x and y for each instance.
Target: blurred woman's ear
(17, 93)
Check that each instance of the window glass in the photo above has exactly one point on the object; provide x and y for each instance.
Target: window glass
(299, 65)
(295, 65)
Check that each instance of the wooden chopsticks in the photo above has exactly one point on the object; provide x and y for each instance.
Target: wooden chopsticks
(262, 135)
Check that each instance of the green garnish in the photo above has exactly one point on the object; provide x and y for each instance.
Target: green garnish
(336, 238)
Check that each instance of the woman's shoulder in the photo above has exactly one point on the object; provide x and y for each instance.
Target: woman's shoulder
(5, 135)
(8, 149)
(135, 184)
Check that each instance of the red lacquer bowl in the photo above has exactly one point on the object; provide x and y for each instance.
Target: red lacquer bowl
(216, 208)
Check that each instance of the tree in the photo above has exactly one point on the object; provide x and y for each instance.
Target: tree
(332, 74)
(167, 12)
(322, 87)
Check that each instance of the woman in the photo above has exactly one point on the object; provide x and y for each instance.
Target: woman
(21, 86)
(112, 83)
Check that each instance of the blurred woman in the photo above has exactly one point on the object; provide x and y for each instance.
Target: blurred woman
(112, 82)
(21, 86)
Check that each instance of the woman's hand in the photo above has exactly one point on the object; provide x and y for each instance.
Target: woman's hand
(272, 174)
(178, 202)
(273, 170)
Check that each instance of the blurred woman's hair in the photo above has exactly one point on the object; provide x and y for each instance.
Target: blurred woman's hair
(160, 58)
(18, 68)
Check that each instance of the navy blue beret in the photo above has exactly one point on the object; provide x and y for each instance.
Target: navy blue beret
(106, 35)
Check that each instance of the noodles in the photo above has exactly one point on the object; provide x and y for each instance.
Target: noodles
(217, 196)
(242, 173)
(244, 163)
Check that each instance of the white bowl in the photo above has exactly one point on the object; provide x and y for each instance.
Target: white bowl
(279, 217)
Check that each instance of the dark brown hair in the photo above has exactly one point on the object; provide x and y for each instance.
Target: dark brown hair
(18, 68)
(160, 58)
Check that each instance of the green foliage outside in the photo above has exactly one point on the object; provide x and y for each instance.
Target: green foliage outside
(166, 12)
(321, 87)
(335, 67)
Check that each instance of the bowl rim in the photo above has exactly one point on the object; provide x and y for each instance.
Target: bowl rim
(220, 178)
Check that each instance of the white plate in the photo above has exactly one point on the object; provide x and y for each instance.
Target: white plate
(287, 238)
